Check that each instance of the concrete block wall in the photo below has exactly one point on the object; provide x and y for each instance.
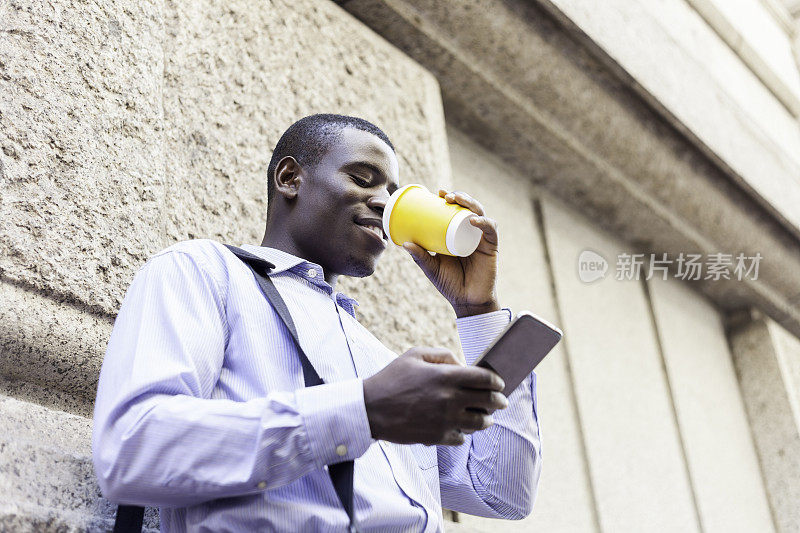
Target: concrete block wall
(719, 451)
(767, 362)
(645, 425)
(633, 444)
(524, 282)
(682, 62)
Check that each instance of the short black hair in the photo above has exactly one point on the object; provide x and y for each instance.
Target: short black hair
(308, 140)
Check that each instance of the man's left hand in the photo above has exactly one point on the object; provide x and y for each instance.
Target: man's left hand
(468, 283)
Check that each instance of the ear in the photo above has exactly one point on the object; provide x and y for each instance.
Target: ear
(287, 177)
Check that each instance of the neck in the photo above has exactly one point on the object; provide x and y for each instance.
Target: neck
(281, 241)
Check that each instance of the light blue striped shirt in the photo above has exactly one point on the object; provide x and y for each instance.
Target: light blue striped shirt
(201, 409)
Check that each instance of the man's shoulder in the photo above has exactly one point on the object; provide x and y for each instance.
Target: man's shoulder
(208, 254)
(193, 247)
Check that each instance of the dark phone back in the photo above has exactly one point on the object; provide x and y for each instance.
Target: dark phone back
(517, 351)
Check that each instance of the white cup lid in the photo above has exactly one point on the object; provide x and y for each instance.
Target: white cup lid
(462, 237)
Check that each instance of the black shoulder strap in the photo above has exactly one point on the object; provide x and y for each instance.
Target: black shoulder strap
(260, 269)
(341, 473)
(129, 518)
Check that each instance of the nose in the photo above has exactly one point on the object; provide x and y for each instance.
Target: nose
(377, 203)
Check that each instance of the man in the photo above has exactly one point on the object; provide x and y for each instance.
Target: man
(201, 408)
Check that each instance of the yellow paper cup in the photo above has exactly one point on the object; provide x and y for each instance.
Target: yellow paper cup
(415, 214)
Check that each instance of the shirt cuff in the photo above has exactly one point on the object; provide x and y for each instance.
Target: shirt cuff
(477, 332)
(335, 419)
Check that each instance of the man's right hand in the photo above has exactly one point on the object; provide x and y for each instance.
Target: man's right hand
(428, 396)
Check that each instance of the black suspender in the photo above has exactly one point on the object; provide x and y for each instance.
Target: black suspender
(129, 517)
(341, 473)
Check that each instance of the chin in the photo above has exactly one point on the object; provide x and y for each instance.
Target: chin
(360, 269)
(362, 272)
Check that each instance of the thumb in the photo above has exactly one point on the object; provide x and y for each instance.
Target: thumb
(429, 264)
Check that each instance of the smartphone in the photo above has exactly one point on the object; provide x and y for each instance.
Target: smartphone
(519, 348)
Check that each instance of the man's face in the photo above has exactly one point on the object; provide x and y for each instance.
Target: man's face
(343, 193)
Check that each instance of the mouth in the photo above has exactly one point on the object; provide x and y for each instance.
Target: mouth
(375, 230)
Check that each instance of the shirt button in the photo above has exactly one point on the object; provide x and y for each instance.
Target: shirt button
(341, 450)
(312, 273)
(262, 485)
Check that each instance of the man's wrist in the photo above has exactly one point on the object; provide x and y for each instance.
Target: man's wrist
(373, 418)
(478, 331)
(471, 310)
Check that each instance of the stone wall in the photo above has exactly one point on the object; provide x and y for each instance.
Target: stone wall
(644, 424)
(129, 126)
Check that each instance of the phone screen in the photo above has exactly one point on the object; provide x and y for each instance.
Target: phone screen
(519, 349)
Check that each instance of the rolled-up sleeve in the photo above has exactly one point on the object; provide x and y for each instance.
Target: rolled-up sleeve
(496, 471)
(159, 439)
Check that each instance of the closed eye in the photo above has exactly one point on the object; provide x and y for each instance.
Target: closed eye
(361, 182)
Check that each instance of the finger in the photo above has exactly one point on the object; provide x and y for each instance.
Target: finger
(441, 356)
(484, 399)
(472, 420)
(421, 256)
(473, 377)
(463, 199)
(420, 352)
(454, 438)
(488, 226)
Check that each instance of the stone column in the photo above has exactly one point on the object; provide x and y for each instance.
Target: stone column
(767, 361)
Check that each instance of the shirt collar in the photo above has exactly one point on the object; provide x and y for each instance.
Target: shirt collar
(284, 261)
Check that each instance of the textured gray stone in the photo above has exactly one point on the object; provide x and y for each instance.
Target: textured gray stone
(48, 343)
(19, 518)
(46, 473)
(22, 518)
(130, 126)
(47, 396)
(80, 148)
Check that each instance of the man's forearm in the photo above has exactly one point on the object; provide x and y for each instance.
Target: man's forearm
(181, 450)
